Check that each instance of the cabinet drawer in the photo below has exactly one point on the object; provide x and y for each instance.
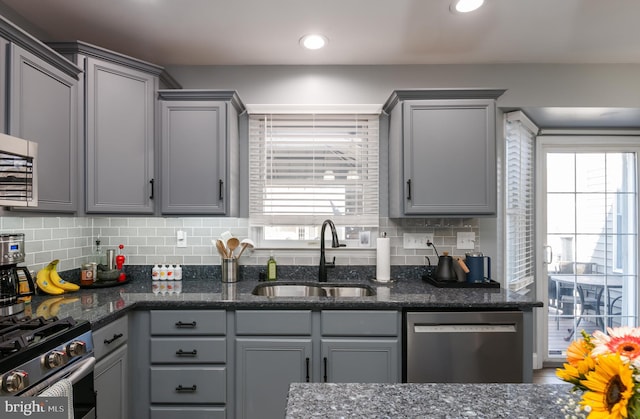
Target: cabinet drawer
(360, 323)
(187, 412)
(273, 322)
(188, 385)
(188, 350)
(188, 322)
(110, 337)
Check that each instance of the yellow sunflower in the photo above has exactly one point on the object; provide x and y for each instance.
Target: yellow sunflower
(609, 388)
(622, 340)
(578, 350)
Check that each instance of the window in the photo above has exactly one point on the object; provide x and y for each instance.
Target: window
(519, 201)
(305, 168)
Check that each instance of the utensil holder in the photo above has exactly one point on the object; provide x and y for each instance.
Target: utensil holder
(229, 270)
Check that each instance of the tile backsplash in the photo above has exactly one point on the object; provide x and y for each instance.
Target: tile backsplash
(151, 240)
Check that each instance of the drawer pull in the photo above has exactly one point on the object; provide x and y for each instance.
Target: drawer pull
(180, 352)
(324, 377)
(181, 389)
(181, 325)
(308, 378)
(115, 337)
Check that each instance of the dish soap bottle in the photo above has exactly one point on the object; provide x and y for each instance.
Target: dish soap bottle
(272, 268)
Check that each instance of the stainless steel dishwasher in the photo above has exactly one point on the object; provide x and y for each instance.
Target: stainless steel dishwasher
(464, 347)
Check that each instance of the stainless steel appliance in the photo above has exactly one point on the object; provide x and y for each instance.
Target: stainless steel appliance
(464, 347)
(35, 353)
(15, 281)
(18, 172)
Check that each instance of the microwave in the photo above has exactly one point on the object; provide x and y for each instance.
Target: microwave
(18, 172)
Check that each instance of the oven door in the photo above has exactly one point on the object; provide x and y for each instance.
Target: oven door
(80, 374)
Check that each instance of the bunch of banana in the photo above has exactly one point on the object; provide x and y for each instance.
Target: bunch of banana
(50, 282)
(51, 306)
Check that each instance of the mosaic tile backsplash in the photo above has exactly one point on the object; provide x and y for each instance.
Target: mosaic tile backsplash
(151, 240)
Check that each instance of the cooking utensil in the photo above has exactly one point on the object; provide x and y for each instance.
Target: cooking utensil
(232, 244)
(221, 248)
(246, 243)
(225, 236)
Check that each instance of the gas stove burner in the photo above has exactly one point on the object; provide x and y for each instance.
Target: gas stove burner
(19, 333)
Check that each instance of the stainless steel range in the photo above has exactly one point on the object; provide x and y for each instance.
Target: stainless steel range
(36, 353)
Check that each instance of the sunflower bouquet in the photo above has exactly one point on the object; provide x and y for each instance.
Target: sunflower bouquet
(606, 369)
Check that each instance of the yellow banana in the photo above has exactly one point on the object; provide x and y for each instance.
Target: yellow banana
(43, 309)
(59, 282)
(54, 308)
(43, 279)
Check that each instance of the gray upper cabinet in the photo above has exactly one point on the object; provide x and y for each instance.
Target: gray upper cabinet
(119, 129)
(40, 89)
(442, 152)
(43, 107)
(199, 156)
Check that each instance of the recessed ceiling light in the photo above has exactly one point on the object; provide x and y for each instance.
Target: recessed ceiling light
(313, 41)
(464, 6)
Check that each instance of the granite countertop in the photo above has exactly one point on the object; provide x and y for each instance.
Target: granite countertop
(333, 401)
(103, 305)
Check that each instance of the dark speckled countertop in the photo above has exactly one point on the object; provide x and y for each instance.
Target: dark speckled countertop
(334, 401)
(103, 305)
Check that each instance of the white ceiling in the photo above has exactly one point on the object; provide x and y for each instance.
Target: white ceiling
(240, 32)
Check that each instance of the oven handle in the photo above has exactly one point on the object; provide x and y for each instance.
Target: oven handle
(76, 373)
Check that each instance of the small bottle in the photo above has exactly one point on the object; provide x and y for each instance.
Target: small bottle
(163, 273)
(155, 272)
(170, 272)
(272, 268)
(177, 273)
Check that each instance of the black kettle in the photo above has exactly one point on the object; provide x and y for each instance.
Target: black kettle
(444, 270)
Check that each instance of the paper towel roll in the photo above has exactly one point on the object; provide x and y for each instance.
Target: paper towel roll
(383, 259)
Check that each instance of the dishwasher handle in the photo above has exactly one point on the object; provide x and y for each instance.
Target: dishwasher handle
(464, 328)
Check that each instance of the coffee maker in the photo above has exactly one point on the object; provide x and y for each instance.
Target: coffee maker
(15, 281)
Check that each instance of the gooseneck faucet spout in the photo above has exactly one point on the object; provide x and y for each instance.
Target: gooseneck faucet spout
(322, 273)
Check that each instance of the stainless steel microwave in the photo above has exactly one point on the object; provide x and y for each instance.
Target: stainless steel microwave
(18, 172)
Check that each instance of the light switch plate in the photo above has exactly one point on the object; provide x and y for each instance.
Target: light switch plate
(466, 240)
(416, 240)
(181, 237)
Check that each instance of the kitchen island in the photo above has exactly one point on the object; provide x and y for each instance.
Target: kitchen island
(333, 401)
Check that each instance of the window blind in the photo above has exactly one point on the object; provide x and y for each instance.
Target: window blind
(304, 168)
(519, 199)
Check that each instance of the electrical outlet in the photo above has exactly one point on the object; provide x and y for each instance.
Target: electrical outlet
(466, 240)
(416, 240)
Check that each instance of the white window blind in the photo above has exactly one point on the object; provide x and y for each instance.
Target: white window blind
(520, 203)
(305, 168)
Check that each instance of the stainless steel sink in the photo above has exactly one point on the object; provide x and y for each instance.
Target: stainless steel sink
(349, 290)
(312, 290)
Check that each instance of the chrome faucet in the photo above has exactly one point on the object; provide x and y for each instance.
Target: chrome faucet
(322, 273)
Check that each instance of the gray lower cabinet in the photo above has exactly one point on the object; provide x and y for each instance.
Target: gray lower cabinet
(275, 348)
(442, 152)
(111, 385)
(111, 380)
(199, 152)
(187, 364)
(43, 107)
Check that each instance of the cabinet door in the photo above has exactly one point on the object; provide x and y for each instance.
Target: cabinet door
(360, 361)
(449, 157)
(265, 369)
(193, 157)
(120, 135)
(43, 107)
(110, 382)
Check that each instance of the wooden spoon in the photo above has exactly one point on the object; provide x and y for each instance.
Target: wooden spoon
(232, 244)
(222, 249)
